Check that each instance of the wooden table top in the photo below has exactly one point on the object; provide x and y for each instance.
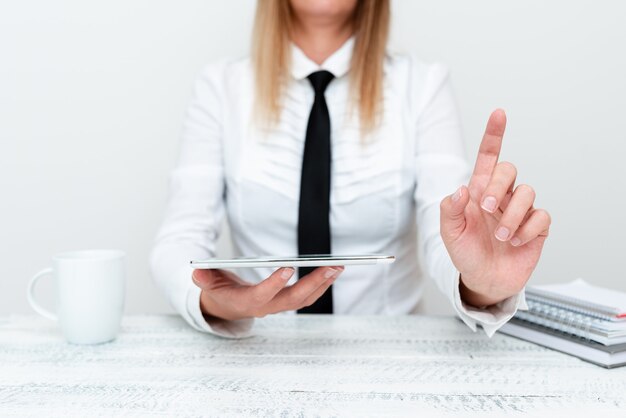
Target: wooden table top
(302, 365)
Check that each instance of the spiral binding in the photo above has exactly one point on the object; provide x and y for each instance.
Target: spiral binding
(563, 320)
(574, 304)
(591, 310)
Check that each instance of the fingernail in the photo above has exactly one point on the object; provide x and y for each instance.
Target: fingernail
(502, 233)
(331, 273)
(457, 195)
(515, 241)
(489, 204)
(286, 273)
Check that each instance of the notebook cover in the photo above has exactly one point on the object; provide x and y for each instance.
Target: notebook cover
(611, 349)
(568, 339)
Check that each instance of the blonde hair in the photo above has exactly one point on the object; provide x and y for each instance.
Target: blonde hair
(271, 58)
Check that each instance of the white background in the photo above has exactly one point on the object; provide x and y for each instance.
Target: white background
(92, 96)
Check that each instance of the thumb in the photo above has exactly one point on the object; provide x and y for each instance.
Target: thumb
(452, 212)
(203, 278)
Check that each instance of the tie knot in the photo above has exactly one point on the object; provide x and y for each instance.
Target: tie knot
(320, 80)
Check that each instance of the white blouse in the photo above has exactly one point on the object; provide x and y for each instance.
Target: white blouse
(385, 188)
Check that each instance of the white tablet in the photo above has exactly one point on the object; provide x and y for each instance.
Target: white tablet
(297, 261)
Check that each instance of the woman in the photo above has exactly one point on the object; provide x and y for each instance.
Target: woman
(320, 142)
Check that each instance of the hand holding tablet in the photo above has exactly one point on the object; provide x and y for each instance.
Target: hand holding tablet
(225, 296)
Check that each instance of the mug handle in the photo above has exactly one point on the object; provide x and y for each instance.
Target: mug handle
(31, 298)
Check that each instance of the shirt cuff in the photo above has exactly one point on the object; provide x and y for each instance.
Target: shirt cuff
(228, 329)
(490, 318)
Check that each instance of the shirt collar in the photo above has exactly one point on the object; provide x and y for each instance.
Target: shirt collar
(338, 63)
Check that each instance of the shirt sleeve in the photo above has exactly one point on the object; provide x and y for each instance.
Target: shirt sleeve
(194, 210)
(441, 167)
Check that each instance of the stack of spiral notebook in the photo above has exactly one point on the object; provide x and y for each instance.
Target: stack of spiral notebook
(576, 318)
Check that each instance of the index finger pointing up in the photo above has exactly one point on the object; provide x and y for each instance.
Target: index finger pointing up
(489, 150)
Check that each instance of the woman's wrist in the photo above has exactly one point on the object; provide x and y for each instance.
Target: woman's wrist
(476, 299)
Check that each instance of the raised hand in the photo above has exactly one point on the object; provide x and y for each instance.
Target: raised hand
(224, 295)
(491, 230)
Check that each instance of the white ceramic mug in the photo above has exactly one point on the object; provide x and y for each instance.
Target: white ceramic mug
(90, 289)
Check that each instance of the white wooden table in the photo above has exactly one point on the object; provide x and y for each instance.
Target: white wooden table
(295, 366)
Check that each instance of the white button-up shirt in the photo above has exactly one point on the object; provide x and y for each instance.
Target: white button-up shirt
(385, 188)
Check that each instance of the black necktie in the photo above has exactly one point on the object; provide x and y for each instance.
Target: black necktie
(313, 214)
